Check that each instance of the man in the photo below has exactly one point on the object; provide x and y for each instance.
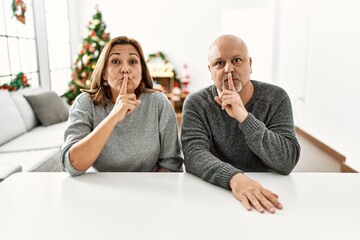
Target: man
(238, 125)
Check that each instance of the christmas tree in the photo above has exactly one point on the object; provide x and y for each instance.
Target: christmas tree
(84, 63)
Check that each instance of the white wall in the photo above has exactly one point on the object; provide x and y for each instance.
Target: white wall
(182, 29)
(255, 27)
(319, 65)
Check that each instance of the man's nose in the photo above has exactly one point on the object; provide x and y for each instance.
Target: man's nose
(229, 68)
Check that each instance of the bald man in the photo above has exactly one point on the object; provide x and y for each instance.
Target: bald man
(238, 125)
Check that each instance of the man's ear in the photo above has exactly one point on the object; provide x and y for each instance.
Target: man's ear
(210, 71)
(250, 61)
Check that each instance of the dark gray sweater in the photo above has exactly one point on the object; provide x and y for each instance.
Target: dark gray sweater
(216, 146)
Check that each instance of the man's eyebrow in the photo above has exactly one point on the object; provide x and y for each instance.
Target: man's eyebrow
(217, 59)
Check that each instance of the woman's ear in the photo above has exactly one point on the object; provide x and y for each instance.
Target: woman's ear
(104, 75)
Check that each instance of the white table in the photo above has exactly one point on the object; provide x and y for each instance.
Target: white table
(174, 206)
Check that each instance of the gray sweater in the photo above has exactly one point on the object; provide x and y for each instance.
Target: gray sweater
(216, 146)
(145, 140)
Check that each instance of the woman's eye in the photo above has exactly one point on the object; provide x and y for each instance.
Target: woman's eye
(133, 62)
(115, 61)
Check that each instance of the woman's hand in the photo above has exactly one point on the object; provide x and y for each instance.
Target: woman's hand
(125, 103)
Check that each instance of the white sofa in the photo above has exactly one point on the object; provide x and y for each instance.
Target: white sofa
(26, 144)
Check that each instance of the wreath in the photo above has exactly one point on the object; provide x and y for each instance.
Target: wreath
(19, 8)
(20, 81)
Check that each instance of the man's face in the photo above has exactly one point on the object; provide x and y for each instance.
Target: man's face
(228, 55)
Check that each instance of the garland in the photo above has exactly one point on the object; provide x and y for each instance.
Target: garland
(20, 81)
(19, 8)
(159, 66)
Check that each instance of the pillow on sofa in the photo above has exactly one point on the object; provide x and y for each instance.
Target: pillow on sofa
(11, 124)
(23, 106)
(48, 108)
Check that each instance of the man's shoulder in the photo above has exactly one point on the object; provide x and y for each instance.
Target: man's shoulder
(204, 95)
(268, 91)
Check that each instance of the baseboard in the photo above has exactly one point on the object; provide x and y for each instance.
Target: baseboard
(332, 152)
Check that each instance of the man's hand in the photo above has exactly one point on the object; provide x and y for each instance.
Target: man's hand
(161, 169)
(231, 102)
(250, 193)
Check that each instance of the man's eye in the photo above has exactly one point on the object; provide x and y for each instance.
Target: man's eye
(237, 60)
(219, 63)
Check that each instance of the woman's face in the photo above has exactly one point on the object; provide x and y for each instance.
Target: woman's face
(123, 60)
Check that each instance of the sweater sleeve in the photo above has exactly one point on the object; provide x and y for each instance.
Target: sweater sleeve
(275, 143)
(79, 125)
(170, 149)
(196, 143)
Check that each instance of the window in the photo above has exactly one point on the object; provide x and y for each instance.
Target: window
(17, 45)
(48, 66)
(58, 42)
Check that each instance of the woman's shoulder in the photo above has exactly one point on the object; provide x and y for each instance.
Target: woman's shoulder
(154, 96)
(83, 99)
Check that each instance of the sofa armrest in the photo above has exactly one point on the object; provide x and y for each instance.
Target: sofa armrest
(7, 169)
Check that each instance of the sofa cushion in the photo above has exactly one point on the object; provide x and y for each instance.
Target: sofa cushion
(11, 122)
(32, 161)
(39, 138)
(23, 106)
(48, 108)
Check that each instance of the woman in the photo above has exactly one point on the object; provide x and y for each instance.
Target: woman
(121, 123)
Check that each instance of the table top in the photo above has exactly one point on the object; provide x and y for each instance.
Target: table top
(175, 206)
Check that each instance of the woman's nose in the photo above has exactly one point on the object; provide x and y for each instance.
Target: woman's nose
(124, 70)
